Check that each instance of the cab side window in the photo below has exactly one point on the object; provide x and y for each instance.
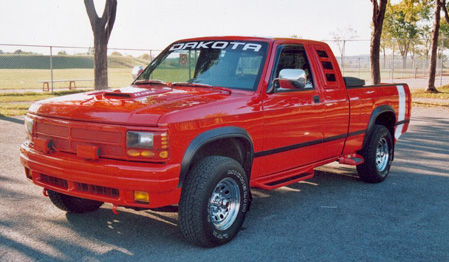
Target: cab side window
(294, 57)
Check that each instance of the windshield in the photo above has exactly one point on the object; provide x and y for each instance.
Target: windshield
(230, 64)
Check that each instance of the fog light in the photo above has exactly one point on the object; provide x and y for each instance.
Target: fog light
(29, 173)
(133, 152)
(141, 196)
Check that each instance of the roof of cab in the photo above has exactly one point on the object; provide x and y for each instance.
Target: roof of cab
(248, 38)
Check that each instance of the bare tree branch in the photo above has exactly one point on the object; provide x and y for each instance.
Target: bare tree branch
(111, 20)
(91, 13)
(102, 28)
(443, 6)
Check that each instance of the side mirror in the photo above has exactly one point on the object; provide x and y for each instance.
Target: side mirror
(291, 79)
(136, 71)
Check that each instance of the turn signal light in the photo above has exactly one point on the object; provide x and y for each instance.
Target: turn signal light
(141, 196)
(147, 154)
(163, 154)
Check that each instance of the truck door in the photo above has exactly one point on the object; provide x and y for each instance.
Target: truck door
(335, 99)
(292, 117)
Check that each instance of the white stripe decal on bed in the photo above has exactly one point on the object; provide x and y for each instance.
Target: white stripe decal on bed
(401, 114)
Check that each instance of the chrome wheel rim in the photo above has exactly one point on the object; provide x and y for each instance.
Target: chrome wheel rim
(224, 204)
(382, 155)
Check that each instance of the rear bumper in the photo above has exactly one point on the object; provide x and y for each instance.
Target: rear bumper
(106, 180)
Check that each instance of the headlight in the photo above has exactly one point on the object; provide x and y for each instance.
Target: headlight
(29, 123)
(139, 139)
(147, 145)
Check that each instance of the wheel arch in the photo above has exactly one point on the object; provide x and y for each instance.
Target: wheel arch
(230, 141)
(382, 115)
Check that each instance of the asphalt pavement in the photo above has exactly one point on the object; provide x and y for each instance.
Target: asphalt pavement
(332, 217)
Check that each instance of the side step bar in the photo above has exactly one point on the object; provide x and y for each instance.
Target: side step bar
(288, 179)
(283, 179)
(352, 160)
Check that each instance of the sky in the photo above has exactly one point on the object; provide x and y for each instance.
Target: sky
(155, 24)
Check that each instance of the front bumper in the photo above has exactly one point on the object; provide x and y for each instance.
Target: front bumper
(106, 180)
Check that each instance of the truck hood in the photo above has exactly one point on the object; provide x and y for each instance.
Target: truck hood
(130, 105)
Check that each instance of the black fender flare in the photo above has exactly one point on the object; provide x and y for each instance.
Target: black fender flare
(372, 121)
(207, 137)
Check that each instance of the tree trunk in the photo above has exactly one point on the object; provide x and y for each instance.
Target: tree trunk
(100, 63)
(101, 28)
(433, 53)
(378, 20)
(404, 54)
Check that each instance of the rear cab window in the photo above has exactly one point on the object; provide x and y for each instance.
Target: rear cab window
(327, 66)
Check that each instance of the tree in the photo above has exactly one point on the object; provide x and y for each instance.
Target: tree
(401, 24)
(444, 36)
(386, 42)
(340, 36)
(444, 26)
(433, 53)
(426, 40)
(378, 20)
(437, 29)
(101, 28)
(116, 53)
(145, 56)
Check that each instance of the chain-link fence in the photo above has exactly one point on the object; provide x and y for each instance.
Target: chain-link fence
(32, 67)
(395, 63)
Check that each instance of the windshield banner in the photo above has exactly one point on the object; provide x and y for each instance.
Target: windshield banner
(216, 45)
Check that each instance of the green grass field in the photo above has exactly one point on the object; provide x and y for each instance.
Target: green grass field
(22, 61)
(20, 79)
(19, 72)
(16, 79)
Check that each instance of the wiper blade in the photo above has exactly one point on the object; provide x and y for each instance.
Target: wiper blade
(201, 85)
(190, 84)
(150, 82)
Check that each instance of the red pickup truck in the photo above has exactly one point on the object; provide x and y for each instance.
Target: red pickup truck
(207, 120)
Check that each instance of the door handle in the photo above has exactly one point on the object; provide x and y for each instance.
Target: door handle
(316, 99)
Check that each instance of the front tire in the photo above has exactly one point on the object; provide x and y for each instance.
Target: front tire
(73, 204)
(214, 201)
(378, 155)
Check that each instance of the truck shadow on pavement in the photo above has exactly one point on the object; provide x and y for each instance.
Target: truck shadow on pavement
(138, 234)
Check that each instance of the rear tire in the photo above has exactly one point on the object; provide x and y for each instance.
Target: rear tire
(73, 204)
(378, 155)
(214, 201)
